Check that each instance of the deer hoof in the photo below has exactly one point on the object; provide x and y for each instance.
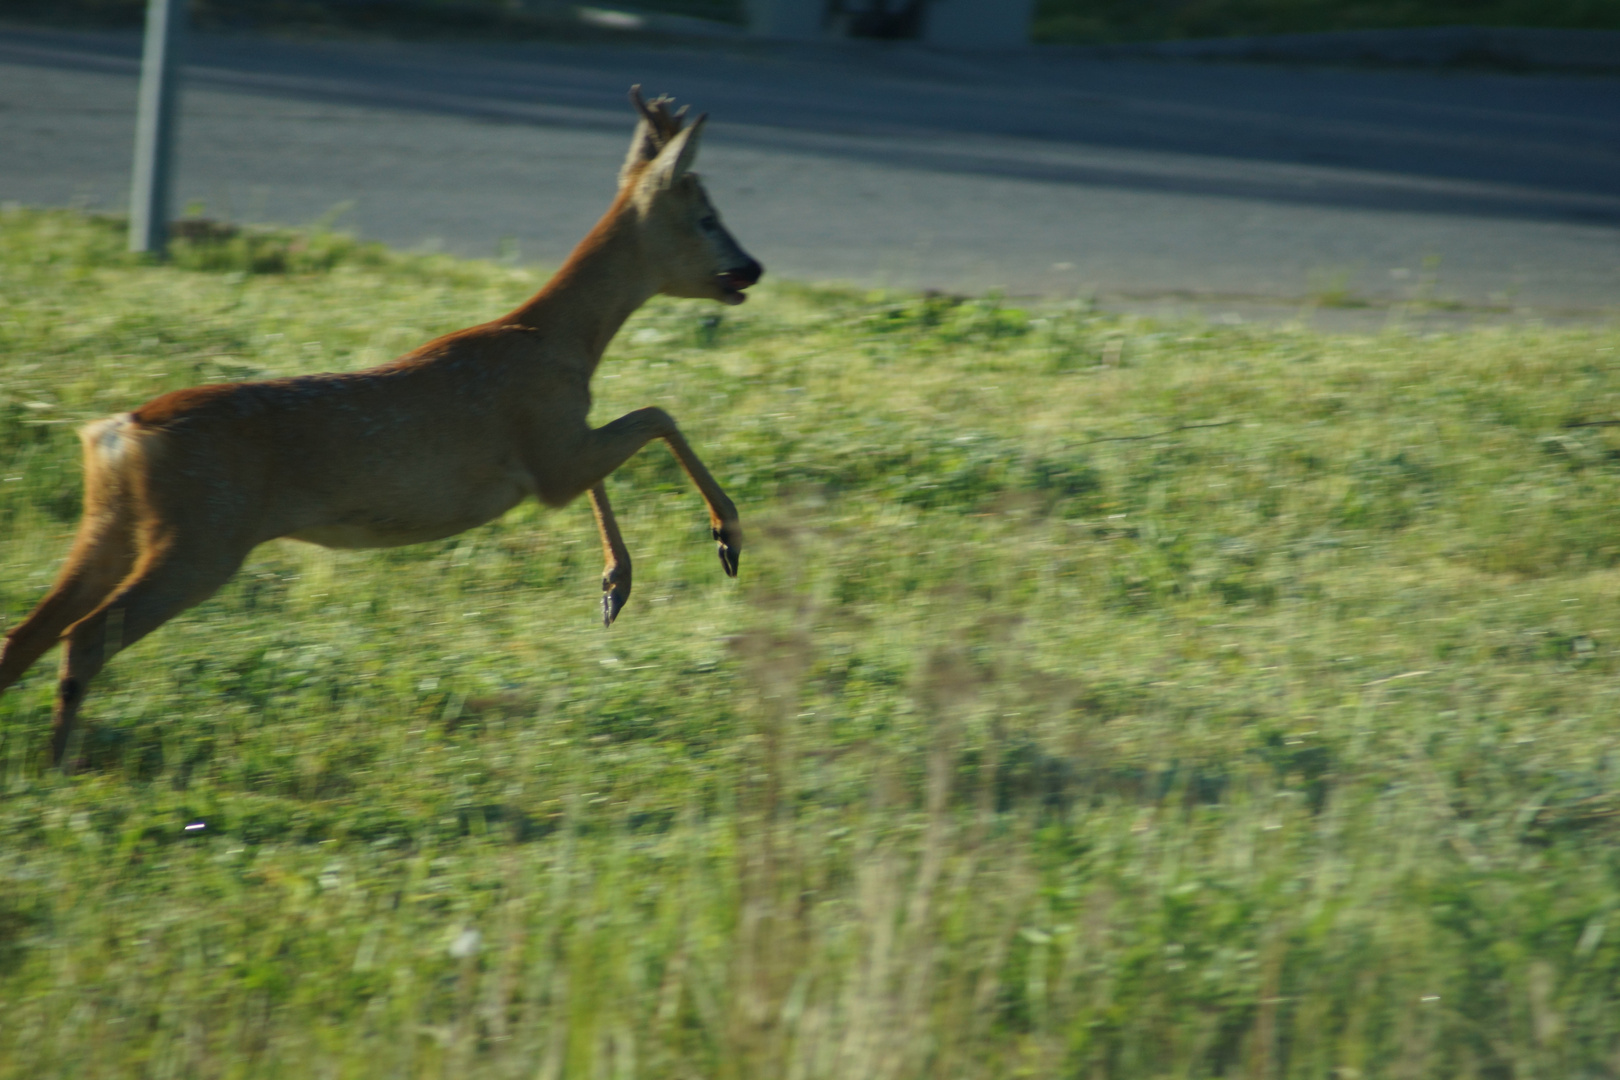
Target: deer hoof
(730, 554)
(613, 598)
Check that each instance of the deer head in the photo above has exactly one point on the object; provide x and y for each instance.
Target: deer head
(680, 228)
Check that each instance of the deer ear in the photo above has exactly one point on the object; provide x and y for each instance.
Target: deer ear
(676, 157)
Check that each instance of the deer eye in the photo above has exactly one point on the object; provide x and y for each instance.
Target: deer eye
(709, 222)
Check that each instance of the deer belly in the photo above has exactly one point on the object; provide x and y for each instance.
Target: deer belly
(394, 523)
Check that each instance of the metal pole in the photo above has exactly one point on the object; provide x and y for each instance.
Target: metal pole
(154, 126)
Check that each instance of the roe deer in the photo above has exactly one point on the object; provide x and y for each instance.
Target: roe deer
(447, 437)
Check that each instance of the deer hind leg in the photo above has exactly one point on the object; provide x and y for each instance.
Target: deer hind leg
(606, 448)
(616, 574)
(171, 577)
(102, 556)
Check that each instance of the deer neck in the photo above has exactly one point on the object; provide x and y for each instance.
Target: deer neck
(604, 280)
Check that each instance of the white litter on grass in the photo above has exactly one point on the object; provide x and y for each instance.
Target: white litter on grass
(466, 943)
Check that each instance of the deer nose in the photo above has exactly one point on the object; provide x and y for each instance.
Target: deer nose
(746, 274)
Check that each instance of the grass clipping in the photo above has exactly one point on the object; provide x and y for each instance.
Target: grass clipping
(1099, 699)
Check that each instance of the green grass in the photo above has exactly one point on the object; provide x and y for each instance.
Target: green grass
(1098, 699)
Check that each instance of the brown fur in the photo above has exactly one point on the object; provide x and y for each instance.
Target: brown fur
(450, 436)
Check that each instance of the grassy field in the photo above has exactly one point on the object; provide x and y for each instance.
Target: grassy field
(1098, 699)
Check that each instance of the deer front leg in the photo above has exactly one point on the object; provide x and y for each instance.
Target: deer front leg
(616, 574)
(723, 523)
(601, 450)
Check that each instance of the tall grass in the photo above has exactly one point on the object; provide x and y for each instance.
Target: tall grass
(1099, 699)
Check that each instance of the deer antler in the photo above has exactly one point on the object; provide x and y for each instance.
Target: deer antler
(665, 125)
(658, 126)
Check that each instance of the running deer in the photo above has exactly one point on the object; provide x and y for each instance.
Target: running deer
(445, 438)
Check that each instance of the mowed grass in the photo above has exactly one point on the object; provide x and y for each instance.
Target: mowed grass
(1097, 699)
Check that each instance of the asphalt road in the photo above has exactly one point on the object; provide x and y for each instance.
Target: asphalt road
(1038, 174)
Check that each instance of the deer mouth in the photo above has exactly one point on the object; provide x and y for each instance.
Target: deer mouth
(733, 282)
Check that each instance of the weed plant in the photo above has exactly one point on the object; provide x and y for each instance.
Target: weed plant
(1098, 699)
